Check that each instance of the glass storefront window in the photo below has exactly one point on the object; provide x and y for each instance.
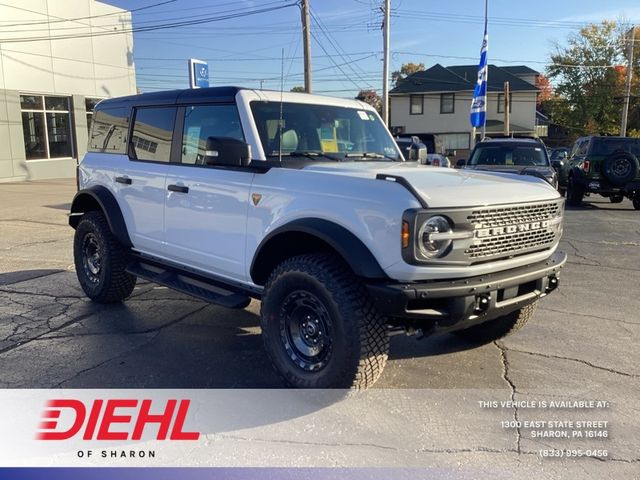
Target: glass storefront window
(35, 139)
(46, 123)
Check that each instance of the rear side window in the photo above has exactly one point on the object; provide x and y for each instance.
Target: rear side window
(152, 134)
(109, 130)
(606, 146)
(204, 121)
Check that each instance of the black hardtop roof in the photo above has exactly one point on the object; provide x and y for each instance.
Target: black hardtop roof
(171, 97)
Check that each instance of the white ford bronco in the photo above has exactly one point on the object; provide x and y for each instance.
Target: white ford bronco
(306, 203)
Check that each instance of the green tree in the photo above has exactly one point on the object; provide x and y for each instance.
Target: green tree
(297, 89)
(405, 70)
(588, 75)
(372, 98)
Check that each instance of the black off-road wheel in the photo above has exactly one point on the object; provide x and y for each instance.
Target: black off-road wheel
(616, 198)
(319, 326)
(575, 193)
(500, 327)
(101, 260)
(636, 202)
(620, 168)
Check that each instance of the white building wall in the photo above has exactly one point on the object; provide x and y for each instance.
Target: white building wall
(95, 67)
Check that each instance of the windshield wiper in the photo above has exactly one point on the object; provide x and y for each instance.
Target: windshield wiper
(370, 155)
(311, 154)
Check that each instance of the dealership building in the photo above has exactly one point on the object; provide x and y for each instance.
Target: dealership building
(58, 58)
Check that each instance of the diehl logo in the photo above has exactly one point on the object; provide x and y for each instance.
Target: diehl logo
(522, 227)
(99, 421)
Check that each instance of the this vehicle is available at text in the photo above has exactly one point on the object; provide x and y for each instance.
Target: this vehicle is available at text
(305, 202)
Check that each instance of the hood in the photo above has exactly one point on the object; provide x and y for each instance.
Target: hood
(447, 187)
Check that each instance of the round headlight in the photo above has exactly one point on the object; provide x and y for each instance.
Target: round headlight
(430, 247)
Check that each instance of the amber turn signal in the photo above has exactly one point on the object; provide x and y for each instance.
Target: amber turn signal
(405, 234)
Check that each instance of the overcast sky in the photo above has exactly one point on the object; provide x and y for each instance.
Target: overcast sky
(347, 39)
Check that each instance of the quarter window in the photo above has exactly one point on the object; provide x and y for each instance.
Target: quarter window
(46, 126)
(417, 104)
(202, 122)
(109, 128)
(90, 105)
(447, 102)
(152, 134)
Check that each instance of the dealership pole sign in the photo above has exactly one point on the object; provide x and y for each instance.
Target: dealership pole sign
(198, 73)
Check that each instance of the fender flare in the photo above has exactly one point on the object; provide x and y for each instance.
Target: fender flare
(355, 253)
(98, 196)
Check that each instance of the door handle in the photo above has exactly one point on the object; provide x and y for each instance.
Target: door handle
(178, 188)
(125, 180)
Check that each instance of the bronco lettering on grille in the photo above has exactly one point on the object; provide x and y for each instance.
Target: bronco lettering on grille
(522, 227)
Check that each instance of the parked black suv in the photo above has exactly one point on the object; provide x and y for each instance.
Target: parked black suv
(604, 165)
(518, 155)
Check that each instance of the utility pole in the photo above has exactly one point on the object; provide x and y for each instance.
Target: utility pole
(507, 104)
(627, 94)
(385, 66)
(306, 35)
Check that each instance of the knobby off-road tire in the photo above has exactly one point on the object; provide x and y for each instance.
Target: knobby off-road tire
(319, 297)
(100, 261)
(616, 198)
(575, 194)
(636, 202)
(500, 327)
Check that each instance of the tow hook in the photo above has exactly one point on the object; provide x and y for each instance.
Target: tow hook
(482, 304)
(552, 284)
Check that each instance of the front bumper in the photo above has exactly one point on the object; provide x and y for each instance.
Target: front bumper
(448, 305)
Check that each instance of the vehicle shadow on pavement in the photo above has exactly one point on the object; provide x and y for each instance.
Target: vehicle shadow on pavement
(158, 338)
(8, 278)
(404, 347)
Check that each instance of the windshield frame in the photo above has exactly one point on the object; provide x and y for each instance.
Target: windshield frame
(386, 150)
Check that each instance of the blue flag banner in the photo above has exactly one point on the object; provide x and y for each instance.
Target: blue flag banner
(479, 102)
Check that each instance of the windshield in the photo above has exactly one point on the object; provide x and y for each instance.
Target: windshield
(509, 156)
(322, 131)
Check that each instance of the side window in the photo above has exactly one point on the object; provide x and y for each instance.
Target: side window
(109, 130)
(152, 134)
(204, 121)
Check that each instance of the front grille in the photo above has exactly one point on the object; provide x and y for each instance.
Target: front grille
(504, 216)
(502, 244)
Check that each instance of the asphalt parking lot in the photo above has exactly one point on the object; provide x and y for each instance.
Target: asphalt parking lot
(583, 341)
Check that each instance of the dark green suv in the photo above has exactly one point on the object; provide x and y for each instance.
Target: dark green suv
(604, 165)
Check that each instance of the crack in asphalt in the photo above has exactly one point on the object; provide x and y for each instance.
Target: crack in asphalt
(580, 255)
(588, 316)
(505, 377)
(627, 269)
(602, 242)
(93, 367)
(584, 362)
(135, 332)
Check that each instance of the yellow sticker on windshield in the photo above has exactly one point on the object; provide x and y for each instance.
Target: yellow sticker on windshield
(329, 146)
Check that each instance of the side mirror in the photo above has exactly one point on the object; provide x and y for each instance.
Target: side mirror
(227, 151)
(461, 163)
